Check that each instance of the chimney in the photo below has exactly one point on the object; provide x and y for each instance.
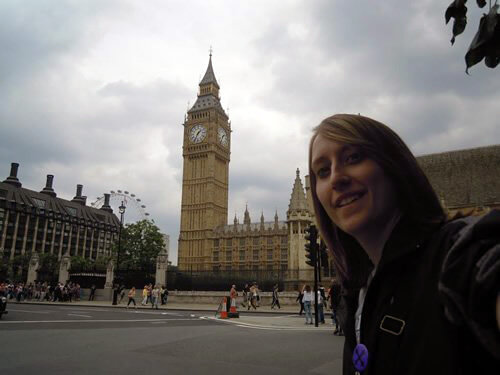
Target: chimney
(48, 187)
(12, 179)
(106, 207)
(78, 198)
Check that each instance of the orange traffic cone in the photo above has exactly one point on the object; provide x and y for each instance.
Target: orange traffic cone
(223, 312)
(232, 310)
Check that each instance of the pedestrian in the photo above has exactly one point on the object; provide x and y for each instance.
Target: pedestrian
(164, 296)
(232, 295)
(150, 294)
(121, 293)
(253, 297)
(131, 297)
(299, 299)
(417, 285)
(155, 297)
(144, 295)
(246, 292)
(276, 300)
(321, 312)
(257, 295)
(92, 292)
(334, 297)
(307, 300)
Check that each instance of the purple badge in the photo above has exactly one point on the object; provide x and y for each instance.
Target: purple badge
(360, 357)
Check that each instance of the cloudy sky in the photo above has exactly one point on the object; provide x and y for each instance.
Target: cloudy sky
(95, 92)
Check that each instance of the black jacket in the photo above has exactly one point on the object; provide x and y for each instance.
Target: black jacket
(430, 308)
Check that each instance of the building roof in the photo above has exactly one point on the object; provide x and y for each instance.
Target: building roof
(465, 177)
(209, 76)
(63, 207)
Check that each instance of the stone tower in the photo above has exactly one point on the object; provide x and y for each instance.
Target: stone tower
(298, 219)
(206, 154)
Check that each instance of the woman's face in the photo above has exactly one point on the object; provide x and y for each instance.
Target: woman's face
(352, 188)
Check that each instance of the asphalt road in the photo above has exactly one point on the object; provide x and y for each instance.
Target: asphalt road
(45, 339)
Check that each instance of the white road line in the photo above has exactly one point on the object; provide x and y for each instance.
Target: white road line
(265, 327)
(29, 311)
(83, 316)
(94, 321)
(79, 309)
(158, 322)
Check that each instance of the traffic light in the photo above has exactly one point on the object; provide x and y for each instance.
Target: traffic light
(323, 256)
(311, 245)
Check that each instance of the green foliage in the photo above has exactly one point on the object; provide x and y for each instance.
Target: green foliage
(81, 264)
(141, 243)
(101, 263)
(48, 263)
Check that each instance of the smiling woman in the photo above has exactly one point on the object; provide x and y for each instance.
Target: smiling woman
(408, 273)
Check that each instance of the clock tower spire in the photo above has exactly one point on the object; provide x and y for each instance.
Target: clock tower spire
(206, 154)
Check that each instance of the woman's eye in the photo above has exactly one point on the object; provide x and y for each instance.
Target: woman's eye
(353, 158)
(322, 172)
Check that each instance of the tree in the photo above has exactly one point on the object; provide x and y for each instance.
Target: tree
(486, 42)
(141, 243)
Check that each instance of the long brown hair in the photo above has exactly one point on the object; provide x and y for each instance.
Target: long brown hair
(414, 194)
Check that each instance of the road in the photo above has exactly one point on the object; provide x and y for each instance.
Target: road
(49, 339)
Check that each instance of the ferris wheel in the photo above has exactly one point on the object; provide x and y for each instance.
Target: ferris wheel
(135, 209)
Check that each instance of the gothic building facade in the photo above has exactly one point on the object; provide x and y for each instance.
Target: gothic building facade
(206, 241)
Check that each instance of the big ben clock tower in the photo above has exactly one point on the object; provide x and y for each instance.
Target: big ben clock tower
(206, 154)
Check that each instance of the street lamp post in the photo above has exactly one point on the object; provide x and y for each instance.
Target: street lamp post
(121, 210)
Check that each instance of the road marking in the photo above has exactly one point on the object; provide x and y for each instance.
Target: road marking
(28, 311)
(83, 316)
(79, 309)
(94, 321)
(162, 322)
(266, 327)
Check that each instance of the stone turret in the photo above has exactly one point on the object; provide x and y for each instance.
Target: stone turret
(247, 220)
(298, 202)
(298, 219)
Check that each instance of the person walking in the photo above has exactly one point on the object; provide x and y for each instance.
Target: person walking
(299, 300)
(144, 295)
(164, 296)
(92, 292)
(307, 300)
(232, 295)
(246, 293)
(276, 301)
(321, 312)
(334, 297)
(155, 297)
(131, 297)
(253, 297)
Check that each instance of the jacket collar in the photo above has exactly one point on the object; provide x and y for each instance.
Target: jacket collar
(406, 237)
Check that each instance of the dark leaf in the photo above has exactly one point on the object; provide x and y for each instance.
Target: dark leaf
(492, 57)
(456, 9)
(491, 61)
(458, 27)
(484, 40)
(481, 3)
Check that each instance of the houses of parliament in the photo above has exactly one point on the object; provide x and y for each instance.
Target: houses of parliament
(467, 180)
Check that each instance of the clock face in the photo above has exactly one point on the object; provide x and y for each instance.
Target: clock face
(222, 136)
(197, 133)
